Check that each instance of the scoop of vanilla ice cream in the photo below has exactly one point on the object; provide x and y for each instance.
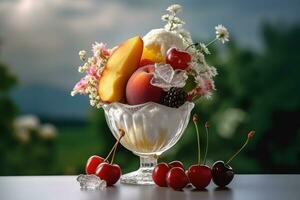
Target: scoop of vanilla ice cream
(163, 38)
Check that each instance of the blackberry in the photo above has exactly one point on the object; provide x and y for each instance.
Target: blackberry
(175, 97)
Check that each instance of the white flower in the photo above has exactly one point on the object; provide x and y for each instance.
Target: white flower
(29, 122)
(204, 48)
(175, 8)
(222, 33)
(100, 50)
(165, 17)
(24, 125)
(229, 120)
(213, 71)
(185, 34)
(48, 131)
(82, 55)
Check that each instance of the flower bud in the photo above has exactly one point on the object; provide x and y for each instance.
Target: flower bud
(206, 125)
(195, 118)
(251, 134)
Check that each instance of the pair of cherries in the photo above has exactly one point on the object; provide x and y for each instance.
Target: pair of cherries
(171, 175)
(176, 58)
(106, 171)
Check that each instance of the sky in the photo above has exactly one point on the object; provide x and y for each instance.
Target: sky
(41, 38)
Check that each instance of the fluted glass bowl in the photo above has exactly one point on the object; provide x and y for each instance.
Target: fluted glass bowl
(150, 129)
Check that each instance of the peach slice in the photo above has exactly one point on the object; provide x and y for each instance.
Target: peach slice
(120, 66)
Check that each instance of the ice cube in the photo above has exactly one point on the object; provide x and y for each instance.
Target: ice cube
(166, 77)
(91, 182)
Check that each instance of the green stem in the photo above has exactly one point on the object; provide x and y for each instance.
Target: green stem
(171, 22)
(211, 42)
(206, 149)
(198, 141)
(232, 157)
(194, 44)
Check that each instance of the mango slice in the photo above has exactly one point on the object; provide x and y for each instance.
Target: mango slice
(153, 53)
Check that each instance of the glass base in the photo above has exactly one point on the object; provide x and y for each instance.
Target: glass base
(138, 177)
(142, 176)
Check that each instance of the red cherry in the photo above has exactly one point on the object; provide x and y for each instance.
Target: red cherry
(111, 173)
(92, 164)
(199, 176)
(178, 59)
(145, 62)
(159, 174)
(176, 178)
(176, 163)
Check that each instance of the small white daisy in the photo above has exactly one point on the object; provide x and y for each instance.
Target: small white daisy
(222, 33)
(204, 48)
(82, 55)
(175, 8)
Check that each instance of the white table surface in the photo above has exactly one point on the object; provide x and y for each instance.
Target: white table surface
(244, 187)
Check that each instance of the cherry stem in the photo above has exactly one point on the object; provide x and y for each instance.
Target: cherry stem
(122, 133)
(195, 120)
(110, 152)
(206, 149)
(113, 148)
(250, 135)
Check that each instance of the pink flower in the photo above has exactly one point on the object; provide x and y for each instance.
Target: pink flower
(204, 89)
(80, 86)
(99, 49)
(207, 86)
(93, 72)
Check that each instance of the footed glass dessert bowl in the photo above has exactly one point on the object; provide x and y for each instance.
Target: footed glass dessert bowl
(150, 129)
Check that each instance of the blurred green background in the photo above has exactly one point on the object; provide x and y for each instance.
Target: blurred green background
(45, 131)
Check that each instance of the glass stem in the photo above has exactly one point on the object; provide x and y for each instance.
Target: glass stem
(147, 162)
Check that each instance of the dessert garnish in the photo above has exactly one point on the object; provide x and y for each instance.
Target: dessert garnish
(165, 66)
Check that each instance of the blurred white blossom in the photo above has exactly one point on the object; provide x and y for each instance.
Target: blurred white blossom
(22, 134)
(48, 131)
(229, 120)
(30, 122)
(27, 125)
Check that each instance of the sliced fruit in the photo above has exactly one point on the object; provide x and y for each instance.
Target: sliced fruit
(119, 68)
(153, 53)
